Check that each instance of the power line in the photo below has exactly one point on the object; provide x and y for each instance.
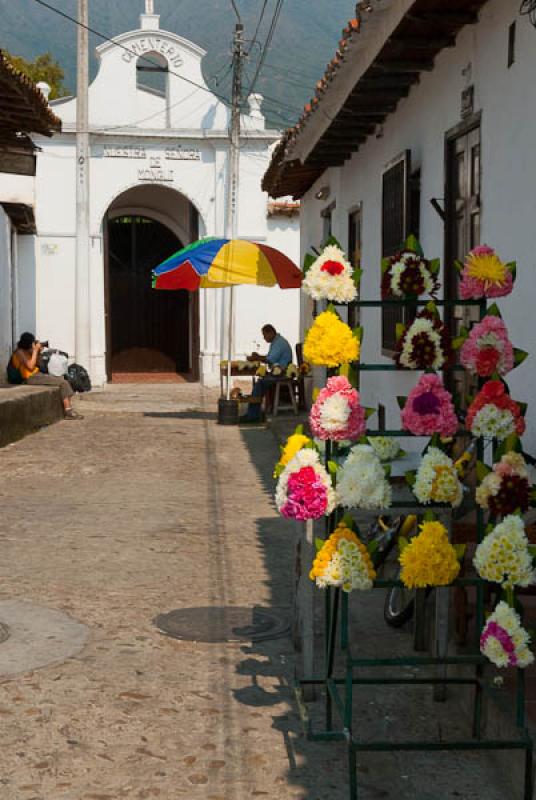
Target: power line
(127, 50)
(259, 22)
(294, 70)
(170, 72)
(267, 43)
(235, 9)
(277, 101)
(283, 78)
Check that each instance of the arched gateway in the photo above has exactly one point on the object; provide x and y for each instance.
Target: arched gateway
(159, 159)
(148, 333)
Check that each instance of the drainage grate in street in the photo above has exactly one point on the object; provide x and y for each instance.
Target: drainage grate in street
(4, 632)
(224, 624)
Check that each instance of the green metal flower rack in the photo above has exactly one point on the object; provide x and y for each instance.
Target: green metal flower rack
(344, 663)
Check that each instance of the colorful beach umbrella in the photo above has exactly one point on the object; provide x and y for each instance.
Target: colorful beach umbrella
(216, 263)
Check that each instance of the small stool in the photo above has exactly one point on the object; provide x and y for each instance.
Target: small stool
(290, 385)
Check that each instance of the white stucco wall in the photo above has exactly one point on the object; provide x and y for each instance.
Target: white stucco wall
(171, 159)
(506, 98)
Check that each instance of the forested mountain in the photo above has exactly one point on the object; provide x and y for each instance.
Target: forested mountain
(305, 39)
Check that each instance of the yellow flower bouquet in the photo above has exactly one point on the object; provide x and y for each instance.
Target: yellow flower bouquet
(330, 342)
(429, 559)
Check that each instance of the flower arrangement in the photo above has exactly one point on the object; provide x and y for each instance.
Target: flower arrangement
(424, 343)
(408, 273)
(437, 479)
(506, 488)
(361, 480)
(493, 413)
(503, 556)
(304, 489)
(429, 559)
(330, 277)
(343, 560)
(484, 275)
(386, 447)
(295, 442)
(504, 640)
(488, 348)
(429, 409)
(330, 342)
(337, 413)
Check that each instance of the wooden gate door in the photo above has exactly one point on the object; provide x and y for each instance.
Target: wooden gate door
(462, 230)
(149, 331)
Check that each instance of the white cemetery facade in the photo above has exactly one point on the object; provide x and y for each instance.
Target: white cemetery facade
(159, 158)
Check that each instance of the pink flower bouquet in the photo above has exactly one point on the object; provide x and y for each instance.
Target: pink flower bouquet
(337, 413)
(484, 275)
(429, 409)
(304, 489)
(488, 348)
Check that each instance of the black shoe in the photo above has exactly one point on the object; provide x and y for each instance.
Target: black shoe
(70, 413)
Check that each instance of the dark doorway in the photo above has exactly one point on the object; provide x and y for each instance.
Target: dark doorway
(462, 228)
(148, 331)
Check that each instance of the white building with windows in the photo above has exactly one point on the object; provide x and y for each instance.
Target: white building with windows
(424, 122)
(159, 150)
(23, 110)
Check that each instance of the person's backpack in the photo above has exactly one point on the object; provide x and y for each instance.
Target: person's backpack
(78, 378)
(13, 374)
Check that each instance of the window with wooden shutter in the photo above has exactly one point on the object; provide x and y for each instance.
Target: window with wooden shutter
(354, 256)
(395, 229)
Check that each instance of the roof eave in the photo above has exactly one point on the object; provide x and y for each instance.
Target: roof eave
(365, 89)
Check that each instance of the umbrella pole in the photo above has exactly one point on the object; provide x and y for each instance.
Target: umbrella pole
(230, 340)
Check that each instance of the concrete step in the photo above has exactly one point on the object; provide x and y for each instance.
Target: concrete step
(24, 409)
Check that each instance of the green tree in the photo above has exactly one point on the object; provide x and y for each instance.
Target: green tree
(42, 68)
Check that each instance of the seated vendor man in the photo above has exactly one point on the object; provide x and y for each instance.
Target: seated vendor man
(280, 354)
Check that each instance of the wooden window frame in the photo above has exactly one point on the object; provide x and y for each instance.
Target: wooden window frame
(405, 158)
(461, 129)
(353, 309)
(327, 214)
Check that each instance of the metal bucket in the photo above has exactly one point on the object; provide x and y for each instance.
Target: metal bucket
(227, 411)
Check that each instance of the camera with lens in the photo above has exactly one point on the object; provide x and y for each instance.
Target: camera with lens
(44, 344)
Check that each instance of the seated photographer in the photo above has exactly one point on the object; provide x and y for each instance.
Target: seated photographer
(25, 362)
(280, 354)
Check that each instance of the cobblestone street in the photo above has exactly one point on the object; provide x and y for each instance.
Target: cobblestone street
(144, 507)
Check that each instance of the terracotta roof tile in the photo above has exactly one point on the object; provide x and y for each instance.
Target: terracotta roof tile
(275, 178)
(33, 114)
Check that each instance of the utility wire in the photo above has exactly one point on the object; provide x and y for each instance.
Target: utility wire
(259, 22)
(127, 50)
(170, 72)
(267, 43)
(277, 101)
(294, 70)
(235, 9)
(282, 77)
